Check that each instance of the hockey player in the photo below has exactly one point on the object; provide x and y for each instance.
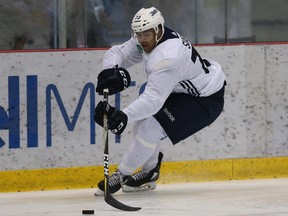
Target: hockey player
(184, 94)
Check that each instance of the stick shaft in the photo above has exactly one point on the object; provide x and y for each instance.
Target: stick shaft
(107, 196)
(106, 146)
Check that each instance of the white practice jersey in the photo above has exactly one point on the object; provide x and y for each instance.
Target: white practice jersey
(172, 66)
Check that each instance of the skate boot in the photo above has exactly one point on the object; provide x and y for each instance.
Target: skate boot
(143, 180)
(116, 180)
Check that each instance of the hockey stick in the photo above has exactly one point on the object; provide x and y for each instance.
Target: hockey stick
(107, 196)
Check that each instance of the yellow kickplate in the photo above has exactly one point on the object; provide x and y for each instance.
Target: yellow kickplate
(192, 171)
(257, 168)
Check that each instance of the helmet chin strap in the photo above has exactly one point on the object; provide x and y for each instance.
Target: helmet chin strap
(156, 35)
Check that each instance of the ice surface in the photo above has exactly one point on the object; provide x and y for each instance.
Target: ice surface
(229, 198)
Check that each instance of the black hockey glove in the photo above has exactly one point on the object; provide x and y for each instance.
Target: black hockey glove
(117, 120)
(115, 79)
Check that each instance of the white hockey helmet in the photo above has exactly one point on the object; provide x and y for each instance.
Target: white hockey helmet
(147, 18)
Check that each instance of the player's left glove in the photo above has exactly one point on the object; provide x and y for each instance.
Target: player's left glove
(117, 120)
(115, 79)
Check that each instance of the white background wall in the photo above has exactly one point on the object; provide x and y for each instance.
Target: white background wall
(254, 122)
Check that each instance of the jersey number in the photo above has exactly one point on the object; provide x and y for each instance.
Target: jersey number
(204, 62)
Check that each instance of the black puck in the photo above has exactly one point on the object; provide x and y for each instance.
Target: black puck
(87, 211)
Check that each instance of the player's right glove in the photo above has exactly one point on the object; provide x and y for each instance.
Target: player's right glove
(117, 120)
(115, 79)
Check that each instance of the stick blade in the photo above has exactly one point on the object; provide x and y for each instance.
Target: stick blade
(118, 205)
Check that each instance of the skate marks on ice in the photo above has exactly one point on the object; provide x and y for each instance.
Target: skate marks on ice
(230, 198)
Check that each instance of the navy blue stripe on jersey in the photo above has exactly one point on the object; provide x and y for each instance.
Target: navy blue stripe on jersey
(188, 85)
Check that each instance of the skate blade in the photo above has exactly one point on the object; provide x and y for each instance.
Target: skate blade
(99, 192)
(145, 187)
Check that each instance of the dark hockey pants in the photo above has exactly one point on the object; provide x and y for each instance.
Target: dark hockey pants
(183, 115)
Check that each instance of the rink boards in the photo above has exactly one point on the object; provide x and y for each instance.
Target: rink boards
(48, 138)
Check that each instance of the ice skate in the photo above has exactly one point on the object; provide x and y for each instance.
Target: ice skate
(116, 180)
(143, 180)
